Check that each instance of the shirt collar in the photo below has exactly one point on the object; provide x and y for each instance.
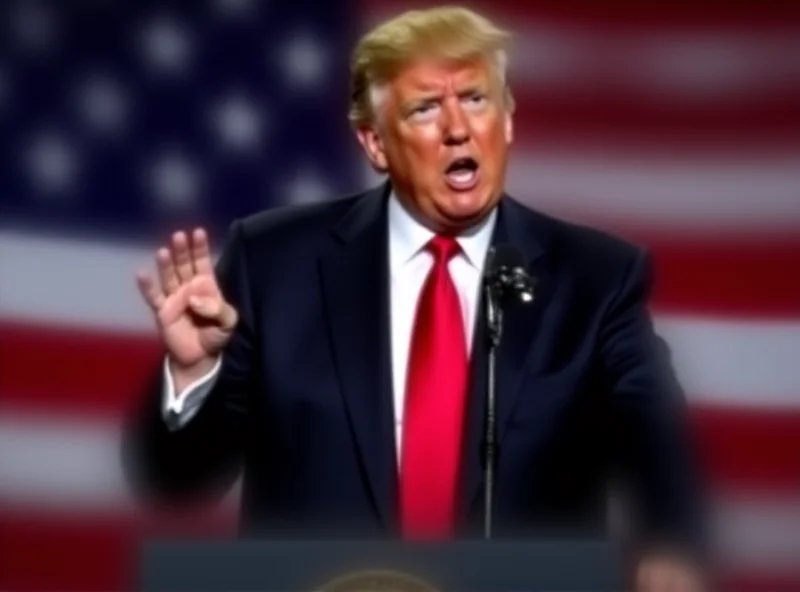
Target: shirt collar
(408, 237)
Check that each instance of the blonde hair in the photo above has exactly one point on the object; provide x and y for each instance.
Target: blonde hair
(447, 32)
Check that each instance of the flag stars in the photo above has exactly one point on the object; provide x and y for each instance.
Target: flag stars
(303, 61)
(33, 27)
(102, 104)
(174, 180)
(238, 124)
(307, 186)
(52, 163)
(166, 46)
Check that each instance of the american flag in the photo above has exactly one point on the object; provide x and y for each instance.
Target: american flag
(674, 124)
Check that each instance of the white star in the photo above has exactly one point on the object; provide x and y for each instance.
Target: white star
(33, 27)
(174, 180)
(52, 163)
(238, 123)
(303, 60)
(102, 104)
(166, 45)
(234, 8)
(306, 187)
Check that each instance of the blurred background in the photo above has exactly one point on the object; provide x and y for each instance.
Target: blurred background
(674, 124)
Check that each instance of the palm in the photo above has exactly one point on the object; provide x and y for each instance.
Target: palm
(190, 333)
(188, 336)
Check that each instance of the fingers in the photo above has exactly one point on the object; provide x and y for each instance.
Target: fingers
(666, 576)
(182, 257)
(166, 271)
(179, 263)
(151, 292)
(201, 253)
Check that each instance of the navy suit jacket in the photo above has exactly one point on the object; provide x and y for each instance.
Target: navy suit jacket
(304, 405)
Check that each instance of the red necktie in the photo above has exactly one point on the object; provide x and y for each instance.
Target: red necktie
(435, 399)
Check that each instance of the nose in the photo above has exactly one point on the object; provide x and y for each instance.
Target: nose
(455, 123)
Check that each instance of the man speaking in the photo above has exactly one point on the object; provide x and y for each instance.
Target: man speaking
(337, 353)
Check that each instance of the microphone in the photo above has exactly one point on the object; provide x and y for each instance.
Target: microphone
(506, 275)
(505, 280)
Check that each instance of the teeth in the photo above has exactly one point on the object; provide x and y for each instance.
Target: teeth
(462, 176)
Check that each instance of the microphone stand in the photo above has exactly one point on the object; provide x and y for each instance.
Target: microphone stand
(499, 286)
(494, 322)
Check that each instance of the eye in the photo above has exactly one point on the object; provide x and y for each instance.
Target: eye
(423, 111)
(475, 100)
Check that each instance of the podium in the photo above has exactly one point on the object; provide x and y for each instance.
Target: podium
(373, 566)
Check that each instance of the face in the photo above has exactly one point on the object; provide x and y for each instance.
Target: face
(442, 134)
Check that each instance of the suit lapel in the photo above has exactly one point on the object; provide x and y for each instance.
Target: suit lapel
(355, 281)
(518, 226)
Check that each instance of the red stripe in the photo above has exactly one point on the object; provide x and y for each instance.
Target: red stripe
(749, 450)
(733, 275)
(76, 370)
(73, 552)
(660, 121)
(759, 583)
(622, 14)
(78, 553)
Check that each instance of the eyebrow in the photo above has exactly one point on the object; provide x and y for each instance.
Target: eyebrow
(431, 96)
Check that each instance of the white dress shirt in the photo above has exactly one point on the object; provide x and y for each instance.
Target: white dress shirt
(410, 264)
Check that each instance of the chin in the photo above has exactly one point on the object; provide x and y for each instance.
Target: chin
(467, 205)
(462, 216)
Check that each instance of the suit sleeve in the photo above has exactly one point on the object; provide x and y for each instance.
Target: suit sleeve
(203, 456)
(651, 447)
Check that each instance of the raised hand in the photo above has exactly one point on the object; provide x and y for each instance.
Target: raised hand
(193, 318)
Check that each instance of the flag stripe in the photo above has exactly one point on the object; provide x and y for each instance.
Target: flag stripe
(619, 15)
(709, 194)
(547, 115)
(98, 552)
(746, 277)
(98, 373)
(748, 450)
(56, 460)
(76, 551)
(750, 364)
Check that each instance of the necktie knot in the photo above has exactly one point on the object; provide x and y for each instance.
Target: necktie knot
(443, 248)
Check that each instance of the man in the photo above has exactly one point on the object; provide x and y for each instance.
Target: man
(338, 350)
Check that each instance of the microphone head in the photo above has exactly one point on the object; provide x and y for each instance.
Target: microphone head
(505, 257)
(506, 273)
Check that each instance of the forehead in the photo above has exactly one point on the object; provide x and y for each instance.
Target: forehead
(437, 75)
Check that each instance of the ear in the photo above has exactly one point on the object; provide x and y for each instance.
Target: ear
(371, 142)
(509, 126)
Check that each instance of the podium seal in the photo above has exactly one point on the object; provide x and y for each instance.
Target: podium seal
(377, 581)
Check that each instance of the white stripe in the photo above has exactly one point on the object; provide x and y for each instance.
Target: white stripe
(708, 194)
(731, 362)
(55, 466)
(693, 66)
(740, 193)
(61, 461)
(743, 363)
(73, 282)
(758, 533)
(64, 462)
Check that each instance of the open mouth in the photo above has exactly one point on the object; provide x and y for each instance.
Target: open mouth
(462, 174)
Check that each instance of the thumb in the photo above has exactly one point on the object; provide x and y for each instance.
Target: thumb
(214, 309)
(208, 308)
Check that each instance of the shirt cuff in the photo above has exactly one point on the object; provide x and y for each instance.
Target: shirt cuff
(176, 402)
